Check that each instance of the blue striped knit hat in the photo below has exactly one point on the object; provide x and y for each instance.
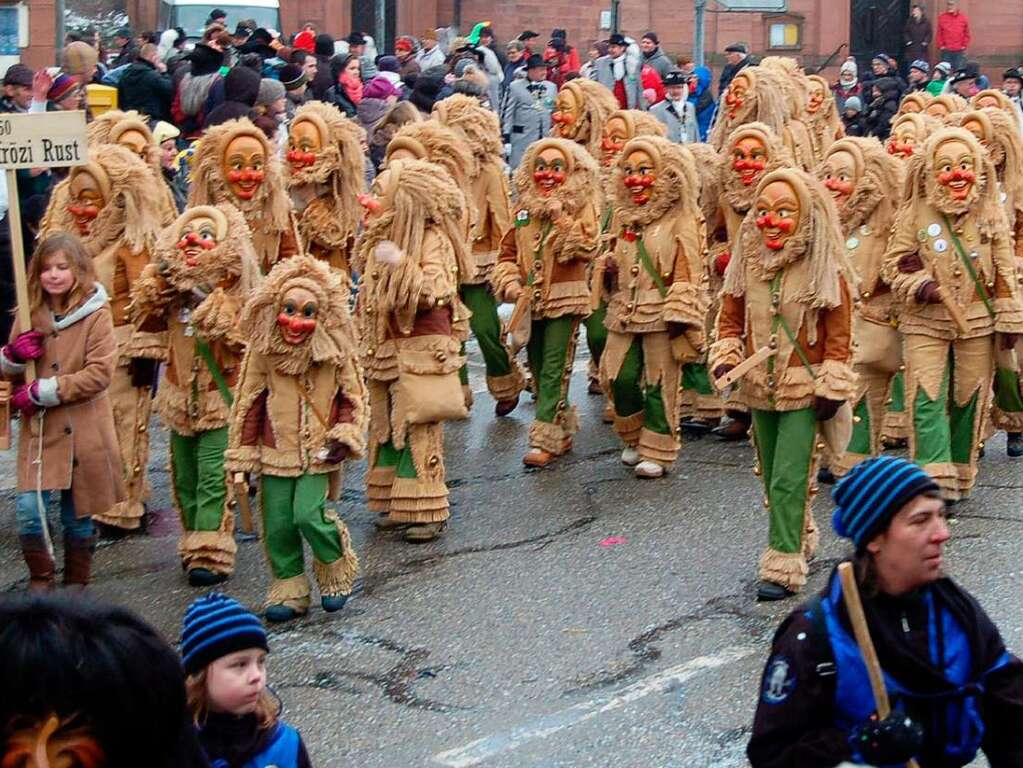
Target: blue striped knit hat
(213, 627)
(874, 490)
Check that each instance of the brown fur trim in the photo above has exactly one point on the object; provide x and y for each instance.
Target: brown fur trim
(245, 458)
(835, 381)
(573, 243)
(1008, 316)
(126, 515)
(293, 592)
(152, 346)
(686, 303)
(737, 194)
(785, 568)
(504, 274)
(378, 488)
(232, 261)
(707, 162)
(417, 501)
(794, 83)
(1005, 146)
(338, 577)
(676, 182)
(351, 435)
(825, 125)
(916, 98)
(509, 386)
(765, 103)
(818, 239)
(658, 448)
(334, 338)
(597, 104)
(480, 127)
(581, 187)
(548, 437)
(728, 351)
(217, 317)
(214, 550)
(983, 199)
(629, 427)
(270, 205)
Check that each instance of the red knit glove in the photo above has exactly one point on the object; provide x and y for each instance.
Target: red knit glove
(23, 399)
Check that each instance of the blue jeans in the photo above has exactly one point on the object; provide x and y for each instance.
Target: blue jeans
(27, 515)
(954, 58)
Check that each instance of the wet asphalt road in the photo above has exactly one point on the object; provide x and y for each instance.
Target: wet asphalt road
(574, 616)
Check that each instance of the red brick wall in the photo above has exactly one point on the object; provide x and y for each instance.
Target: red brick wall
(41, 35)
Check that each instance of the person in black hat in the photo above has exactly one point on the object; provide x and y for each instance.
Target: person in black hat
(620, 72)
(356, 44)
(528, 105)
(737, 55)
(675, 111)
(17, 89)
(653, 56)
(124, 39)
(1012, 83)
(953, 686)
(919, 76)
(295, 82)
(217, 16)
(964, 80)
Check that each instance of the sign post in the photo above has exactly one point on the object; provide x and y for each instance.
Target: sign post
(33, 140)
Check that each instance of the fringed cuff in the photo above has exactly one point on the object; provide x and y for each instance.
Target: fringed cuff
(1009, 421)
(548, 437)
(575, 243)
(727, 351)
(349, 435)
(149, 295)
(214, 550)
(835, 381)
(785, 568)
(247, 458)
(418, 501)
(685, 304)
(628, 428)
(293, 592)
(217, 316)
(504, 275)
(46, 394)
(658, 448)
(905, 287)
(1008, 315)
(507, 387)
(151, 346)
(338, 577)
(403, 285)
(378, 488)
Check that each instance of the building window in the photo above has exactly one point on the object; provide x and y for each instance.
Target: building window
(784, 32)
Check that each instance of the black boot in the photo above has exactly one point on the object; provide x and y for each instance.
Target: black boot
(39, 562)
(1014, 445)
(826, 476)
(768, 591)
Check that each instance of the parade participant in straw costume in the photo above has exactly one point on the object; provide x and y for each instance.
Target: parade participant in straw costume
(786, 304)
(236, 164)
(542, 269)
(325, 174)
(822, 119)
(109, 205)
(754, 95)
(914, 102)
(185, 308)
(796, 87)
(412, 326)
(656, 315)
(909, 131)
(944, 106)
(301, 412)
(950, 265)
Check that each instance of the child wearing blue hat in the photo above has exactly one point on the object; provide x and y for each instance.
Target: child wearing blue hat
(223, 650)
(954, 688)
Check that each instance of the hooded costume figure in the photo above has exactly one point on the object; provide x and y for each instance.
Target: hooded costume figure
(109, 206)
(236, 164)
(543, 269)
(620, 128)
(863, 181)
(185, 308)
(914, 102)
(412, 327)
(785, 301)
(943, 107)
(656, 275)
(998, 132)
(822, 119)
(798, 91)
(581, 109)
(325, 176)
(481, 132)
(907, 137)
(992, 97)
(301, 412)
(756, 94)
(950, 255)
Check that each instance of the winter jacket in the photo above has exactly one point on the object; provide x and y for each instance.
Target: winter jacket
(855, 126)
(144, 89)
(241, 89)
(322, 81)
(841, 93)
(701, 96)
(883, 109)
(79, 444)
(651, 81)
(630, 85)
(953, 32)
(430, 58)
(730, 71)
(917, 39)
(336, 95)
(659, 60)
(526, 115)
(127, 55)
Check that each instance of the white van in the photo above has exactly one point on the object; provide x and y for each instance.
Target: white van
(191, 15)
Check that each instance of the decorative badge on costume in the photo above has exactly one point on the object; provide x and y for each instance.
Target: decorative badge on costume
(779, 681)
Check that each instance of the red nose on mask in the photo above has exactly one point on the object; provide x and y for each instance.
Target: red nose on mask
(562, 118)
(609, 145)
(638, 182)
(236, 176)
(84, 211)
(296, 324)
(298, 157)
(773, 221)
(957, 175)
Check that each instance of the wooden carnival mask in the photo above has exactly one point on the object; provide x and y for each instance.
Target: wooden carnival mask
(243, 166)
(87, 196)
(135, 142)
(737, 94)
(52, 744)
(840, 175)
(749, 159)
(380, 198)
(550, 169)
(567, 112)
(955, 168)
(639, 174)
(304, 144)
(975, 127)
(616, 136)
(815, 97)
(778, 212)
(297, 314)
(903, 141)
(938, 109)
(987, 99)
(199, 234)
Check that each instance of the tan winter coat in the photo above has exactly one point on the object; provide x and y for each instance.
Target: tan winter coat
(79, 445)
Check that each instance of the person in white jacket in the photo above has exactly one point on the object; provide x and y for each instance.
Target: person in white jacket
(675, 111)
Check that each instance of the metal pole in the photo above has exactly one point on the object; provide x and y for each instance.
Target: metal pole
(381, 27)
(699, 7)
(456, 15)
(58, 28)
(615, 11)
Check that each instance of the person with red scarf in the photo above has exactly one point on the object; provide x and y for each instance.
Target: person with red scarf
(346, 93)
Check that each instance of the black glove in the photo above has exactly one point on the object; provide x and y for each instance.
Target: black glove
(896, 739)
(721, 370)
(336, 452)
(928, 293)
(142, 371)
(826, 409)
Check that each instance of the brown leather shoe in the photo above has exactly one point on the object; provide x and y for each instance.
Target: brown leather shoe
(40, 564)
(78, 562)
(733, 428)
(538, 458)
(504, 407)
(420, 534)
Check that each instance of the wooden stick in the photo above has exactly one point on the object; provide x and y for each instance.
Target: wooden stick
(954, 310)
(5, 415)
(241, 492)
(744, 367)
(851, 597)
(24, 315)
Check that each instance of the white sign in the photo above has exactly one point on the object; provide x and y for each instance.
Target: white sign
(42, 140)
(755, 6)
(605, 19)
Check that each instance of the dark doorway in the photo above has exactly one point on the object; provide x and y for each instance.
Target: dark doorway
(364, 19)
(875, 26)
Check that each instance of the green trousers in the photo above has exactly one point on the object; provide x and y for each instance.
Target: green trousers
(944, 431)
(486, 327)
(200, 485)
(551, 352)
(898, 393)
(630, 397)
(389, 456)
(596, 333)
(293, 510)
(1007, 396)
(785, 448)
(696, 378)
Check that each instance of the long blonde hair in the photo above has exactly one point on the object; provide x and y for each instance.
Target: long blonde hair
(268, 708)
(79, 260)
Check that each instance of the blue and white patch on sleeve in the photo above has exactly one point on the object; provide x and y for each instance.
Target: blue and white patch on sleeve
(779, 680)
